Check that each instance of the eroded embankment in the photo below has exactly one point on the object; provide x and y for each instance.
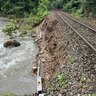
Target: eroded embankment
(49, 47)
(69, 65)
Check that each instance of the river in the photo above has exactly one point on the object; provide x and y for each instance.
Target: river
(16, 65)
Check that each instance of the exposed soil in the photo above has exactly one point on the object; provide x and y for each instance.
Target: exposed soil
(69, 64)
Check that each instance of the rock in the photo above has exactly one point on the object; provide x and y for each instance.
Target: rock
(60, 95)
(34, 70)
(11, 43)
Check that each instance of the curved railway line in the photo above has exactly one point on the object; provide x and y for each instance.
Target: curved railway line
(86, 33)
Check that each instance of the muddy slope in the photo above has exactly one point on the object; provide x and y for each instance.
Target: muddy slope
(69, 65)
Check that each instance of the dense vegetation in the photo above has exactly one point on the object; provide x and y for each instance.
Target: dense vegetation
(34, 11)
(78, 7)
(23, 7)
(17, 7)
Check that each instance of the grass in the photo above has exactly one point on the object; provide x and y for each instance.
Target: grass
(10, 94)
(24, 28)
(60, 83)
(90, 95)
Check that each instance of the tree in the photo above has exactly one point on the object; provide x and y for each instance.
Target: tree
(89, 7)
(18, 7)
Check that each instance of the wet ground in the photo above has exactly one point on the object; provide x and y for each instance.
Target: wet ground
(16, 65)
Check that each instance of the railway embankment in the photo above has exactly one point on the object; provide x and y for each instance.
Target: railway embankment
(69, 64)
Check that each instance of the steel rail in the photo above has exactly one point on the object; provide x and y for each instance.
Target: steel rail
(91, 46)
(69, 16)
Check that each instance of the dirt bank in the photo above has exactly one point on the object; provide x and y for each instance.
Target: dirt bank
(49, 47)
(69, 65)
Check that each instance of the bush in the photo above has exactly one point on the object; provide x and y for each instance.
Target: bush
(62, 78)
(26, 30)
(23, 29)
(10, 94)
(10, 28)
(42, 11)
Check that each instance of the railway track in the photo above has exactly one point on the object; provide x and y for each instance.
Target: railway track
(86, 33)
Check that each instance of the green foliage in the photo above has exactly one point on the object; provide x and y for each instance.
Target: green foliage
(10, 94)
(71, 6)
(33, 15)
(26, 29)
(18, 7)
(10, 28)
(78, 13)
(62, 78)
(94, 94)
(89, 8)
(57, 3)
(42, 11)
(74, 7)
(6, 7)
(61, 82)
(23, 29)
(37, 7)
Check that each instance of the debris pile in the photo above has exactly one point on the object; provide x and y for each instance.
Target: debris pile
(49, 47)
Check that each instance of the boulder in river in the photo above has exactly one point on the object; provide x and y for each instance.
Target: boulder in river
(11, 43)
